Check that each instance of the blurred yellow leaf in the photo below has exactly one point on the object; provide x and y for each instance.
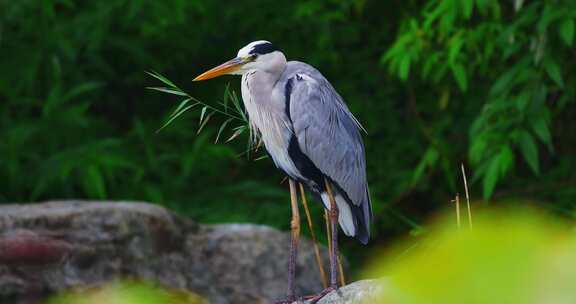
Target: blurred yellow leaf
(514, 257)
(127, 292)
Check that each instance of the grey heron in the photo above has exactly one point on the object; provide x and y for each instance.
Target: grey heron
(311, 135)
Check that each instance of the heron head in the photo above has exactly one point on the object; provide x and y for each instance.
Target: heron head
(259, 55)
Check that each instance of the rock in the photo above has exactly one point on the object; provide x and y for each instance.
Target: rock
(50, 247)
(365, 291)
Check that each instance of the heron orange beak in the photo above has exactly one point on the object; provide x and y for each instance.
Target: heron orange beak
(225, 68)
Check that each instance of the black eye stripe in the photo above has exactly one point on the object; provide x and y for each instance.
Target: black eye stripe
(263, 48)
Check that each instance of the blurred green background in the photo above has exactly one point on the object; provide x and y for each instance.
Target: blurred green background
(488, 84)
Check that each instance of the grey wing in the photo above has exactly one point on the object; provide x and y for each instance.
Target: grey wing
(329, 135)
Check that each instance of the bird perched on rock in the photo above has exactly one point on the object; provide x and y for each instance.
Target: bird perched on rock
(311, 136)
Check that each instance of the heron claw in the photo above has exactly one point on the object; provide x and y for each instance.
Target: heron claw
(312, 299)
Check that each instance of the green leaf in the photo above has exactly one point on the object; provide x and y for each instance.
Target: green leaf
(455, 47)
(467, 7)
(404, 68)
(477, 149)
(522, 69)
(174, 116)
(491, 177)
(93, 182)
(498, 166)
(237, 131)
(168, 90)
(427, 161)
(236, 102)
(502, 82)
(265, 156)
(162, 78)
(81, 89)
(180, 106)
(566, 31)
(460, 75)
(506, 159)
(540, 127)
(226, 97)
(204, 122)
(429, 64)
(202, 113)
(523, 100)
(529, 150)
(554, 72)
(222, 127)
(153, 193)
(547, 16)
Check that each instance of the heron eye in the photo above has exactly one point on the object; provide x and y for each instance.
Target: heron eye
(254, 57)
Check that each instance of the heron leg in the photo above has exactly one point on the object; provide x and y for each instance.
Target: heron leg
(334, 239)
(333, 247)
(294, 240)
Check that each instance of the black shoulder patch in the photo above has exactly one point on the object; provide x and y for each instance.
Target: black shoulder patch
(263, 48)
(304, 165)
(287, 93)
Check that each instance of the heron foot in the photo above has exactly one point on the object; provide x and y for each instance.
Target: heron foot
(312, 299)
(289, 300)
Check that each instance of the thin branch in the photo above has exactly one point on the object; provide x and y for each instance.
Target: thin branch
(313, 236)
(457, 202)
(467, 196)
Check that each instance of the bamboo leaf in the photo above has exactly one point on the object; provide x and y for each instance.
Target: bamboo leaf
(540, 127)
(404, 68)
(162, 78)
(239, 109)
(81, 89)
(222, 127)
(502, 82)
(226, 97)
(172, 117)
(93, 182)
(204, 122)
(529, 150)
(491, 177)
(506, 159)
(566, 31)
(455, 47)
(261, 157)
(428, 161)
(498, 166)
(553, 70)
(523, 100)
(181, 106)
(202, 113)
(168, 90)
(236, 133)
(467, 7)
(460, 75)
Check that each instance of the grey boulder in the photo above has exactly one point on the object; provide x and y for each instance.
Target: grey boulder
(50, 247)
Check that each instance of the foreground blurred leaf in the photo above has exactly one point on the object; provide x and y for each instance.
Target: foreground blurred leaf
(510, 257)
(127, 292)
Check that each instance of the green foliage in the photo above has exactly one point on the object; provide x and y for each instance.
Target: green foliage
(513, 55)
(207, 110)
